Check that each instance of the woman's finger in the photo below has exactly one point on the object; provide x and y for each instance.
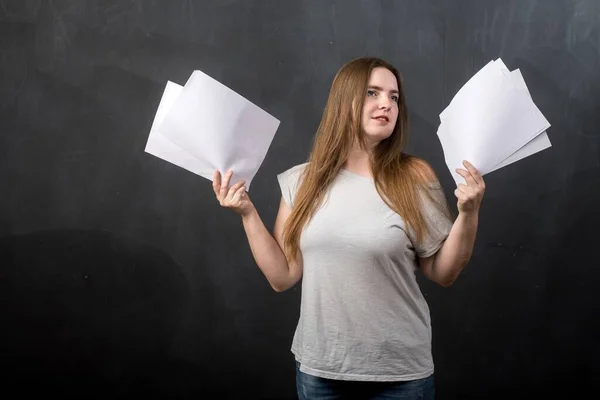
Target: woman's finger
(233, 190)
(474, 172)
(460, 195)
(469, 179)
(463, 188)
(240, 194)
(216, 182)
(225, 184)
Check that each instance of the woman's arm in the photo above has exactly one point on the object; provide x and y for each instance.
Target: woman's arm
(445, 266)
(267, 249)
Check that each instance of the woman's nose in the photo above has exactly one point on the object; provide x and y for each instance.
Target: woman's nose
(385, 103)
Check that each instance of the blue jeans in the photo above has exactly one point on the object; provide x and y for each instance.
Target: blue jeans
(315, 388)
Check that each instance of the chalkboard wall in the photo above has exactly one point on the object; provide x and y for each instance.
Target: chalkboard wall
(120, 274)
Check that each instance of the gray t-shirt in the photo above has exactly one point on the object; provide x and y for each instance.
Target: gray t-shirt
(362, 315)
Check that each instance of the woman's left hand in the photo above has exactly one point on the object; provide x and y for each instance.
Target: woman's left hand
(470, 195)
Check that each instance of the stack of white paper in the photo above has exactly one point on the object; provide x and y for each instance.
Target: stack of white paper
(491, 122)
(204, 126)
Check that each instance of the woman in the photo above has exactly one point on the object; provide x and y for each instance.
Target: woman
(356, 222)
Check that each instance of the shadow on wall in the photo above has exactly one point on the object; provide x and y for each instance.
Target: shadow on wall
(87, 312)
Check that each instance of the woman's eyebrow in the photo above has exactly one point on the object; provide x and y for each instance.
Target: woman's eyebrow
(381, 89)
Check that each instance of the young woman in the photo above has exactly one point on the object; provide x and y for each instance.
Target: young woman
(355, 222)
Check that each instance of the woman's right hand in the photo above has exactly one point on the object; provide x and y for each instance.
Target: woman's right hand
(234, 197)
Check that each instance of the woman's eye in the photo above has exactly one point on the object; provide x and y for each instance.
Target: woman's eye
(395, 98)
(371, 93)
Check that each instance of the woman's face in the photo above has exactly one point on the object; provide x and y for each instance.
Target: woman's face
(380, 111)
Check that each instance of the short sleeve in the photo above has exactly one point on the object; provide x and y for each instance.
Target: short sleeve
(437, 222)
(289, 181)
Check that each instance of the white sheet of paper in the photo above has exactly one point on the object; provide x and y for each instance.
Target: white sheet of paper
(221, 128)
(539, 143)
(158, 145)
(454, 159)
(491, 121)
(490, 74)
(452, 155)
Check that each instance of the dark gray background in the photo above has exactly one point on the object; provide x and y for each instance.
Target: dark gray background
(120, 274)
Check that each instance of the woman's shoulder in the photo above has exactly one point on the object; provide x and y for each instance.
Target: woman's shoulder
(294, 170)
(289, 182)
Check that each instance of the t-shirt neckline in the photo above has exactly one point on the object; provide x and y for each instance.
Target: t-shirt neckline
(355, 175)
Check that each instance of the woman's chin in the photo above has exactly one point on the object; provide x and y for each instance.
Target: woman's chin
(376, 137)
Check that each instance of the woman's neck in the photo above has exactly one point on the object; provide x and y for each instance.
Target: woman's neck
(359, 162)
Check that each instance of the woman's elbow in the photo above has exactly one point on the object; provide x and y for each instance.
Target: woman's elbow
(280, 287)
(446, 283)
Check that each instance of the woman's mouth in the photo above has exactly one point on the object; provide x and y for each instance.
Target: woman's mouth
(382, 119)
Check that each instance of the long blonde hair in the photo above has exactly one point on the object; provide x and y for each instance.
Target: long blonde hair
(397, 175)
